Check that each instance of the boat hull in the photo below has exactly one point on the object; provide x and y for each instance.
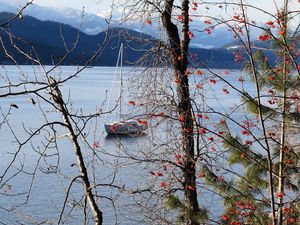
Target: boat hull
(127, 127)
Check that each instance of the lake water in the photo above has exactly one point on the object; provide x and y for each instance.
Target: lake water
(87, 93)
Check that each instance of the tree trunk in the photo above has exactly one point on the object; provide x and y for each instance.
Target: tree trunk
(179, 60)
(57, 98)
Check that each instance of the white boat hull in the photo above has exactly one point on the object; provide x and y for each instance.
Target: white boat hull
(125, 127)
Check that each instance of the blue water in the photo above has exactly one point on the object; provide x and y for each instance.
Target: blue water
(86, 94)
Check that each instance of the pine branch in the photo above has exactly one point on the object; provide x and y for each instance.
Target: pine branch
(253, 107)
(186, 213)
(173, 202)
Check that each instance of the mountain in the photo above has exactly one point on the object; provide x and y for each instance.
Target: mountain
(263, 44)
(269, 48)
(50, 41)
(93, 24)
(88, 22)
(52, 30)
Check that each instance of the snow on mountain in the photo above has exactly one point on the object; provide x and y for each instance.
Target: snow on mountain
(90, 23)
(93, 24)
(4, 7)
(216, 39)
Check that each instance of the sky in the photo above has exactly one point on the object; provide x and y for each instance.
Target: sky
(100, 6)
(91, 6)
(95, 6)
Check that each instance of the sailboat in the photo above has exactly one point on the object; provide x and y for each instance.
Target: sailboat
(122, 126)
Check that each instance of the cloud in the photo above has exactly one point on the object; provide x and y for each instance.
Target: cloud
(15, 2)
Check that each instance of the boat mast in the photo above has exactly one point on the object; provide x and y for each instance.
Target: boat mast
(121, 78)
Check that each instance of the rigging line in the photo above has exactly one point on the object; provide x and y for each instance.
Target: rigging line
(114, 80)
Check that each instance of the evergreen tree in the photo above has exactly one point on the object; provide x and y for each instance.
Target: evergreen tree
(267, 191)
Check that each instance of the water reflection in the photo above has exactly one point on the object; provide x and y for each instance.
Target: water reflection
(126, 137)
